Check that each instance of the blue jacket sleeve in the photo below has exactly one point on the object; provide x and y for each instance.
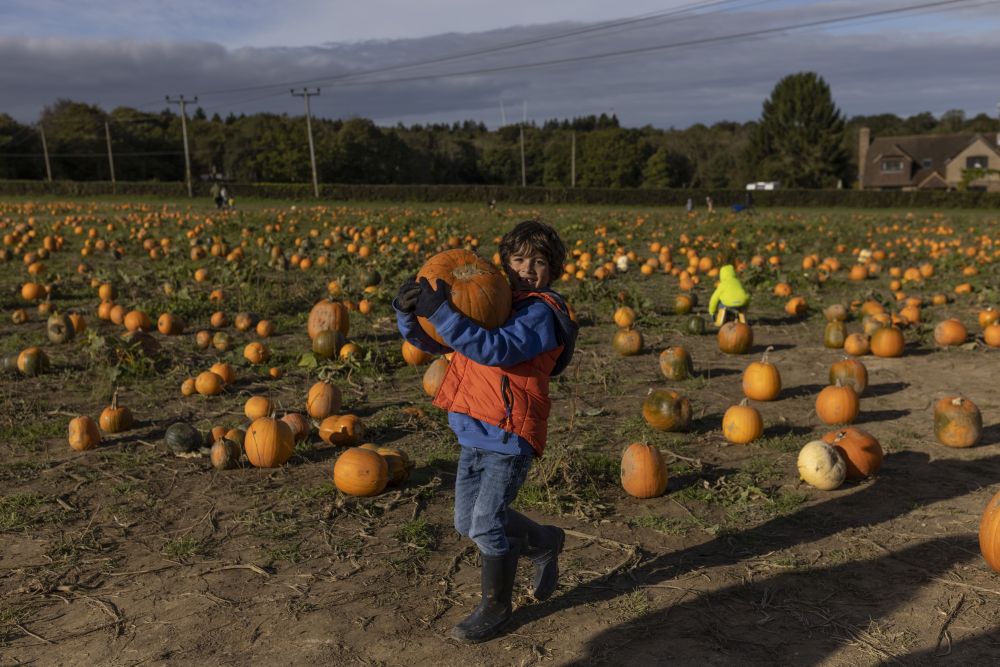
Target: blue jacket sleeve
(527, 333)
(414, 333)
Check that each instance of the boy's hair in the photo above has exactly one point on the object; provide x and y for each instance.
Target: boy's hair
(534, 236)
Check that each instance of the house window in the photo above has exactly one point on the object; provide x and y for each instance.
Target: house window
(977, 162)
(927, 162)
(892, 166)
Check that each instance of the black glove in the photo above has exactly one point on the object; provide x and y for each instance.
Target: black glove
(430, 298)
(406, 298)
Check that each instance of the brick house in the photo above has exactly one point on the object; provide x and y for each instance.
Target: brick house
(927, 161)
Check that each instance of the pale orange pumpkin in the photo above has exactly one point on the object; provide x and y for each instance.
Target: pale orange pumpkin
(414, 356)
(857, 345)
(742, 424)
(256, 353)
(342, 430)
(224, 370)
(169, 324)
(643, 471)
(887, 342)
(83, 434)
(434, 376)
(136, 320)
(624, 317)
(322, 400)
(360, 472)
(761, 379)
(208, 383)
(991, 335)
(268, 443)
(837, 404)
(257, 407)
(950, 332)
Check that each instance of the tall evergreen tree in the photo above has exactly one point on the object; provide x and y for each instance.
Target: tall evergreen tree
(799, 140)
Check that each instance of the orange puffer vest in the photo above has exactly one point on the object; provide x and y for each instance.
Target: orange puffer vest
(515, 398)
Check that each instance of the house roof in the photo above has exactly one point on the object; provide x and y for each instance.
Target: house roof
(938, 148)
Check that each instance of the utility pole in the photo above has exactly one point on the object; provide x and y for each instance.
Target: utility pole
(111, 158)
(503, 114)
(306, 94)
(187, 154)
(524, 176)
(572, 159)
(45, 149)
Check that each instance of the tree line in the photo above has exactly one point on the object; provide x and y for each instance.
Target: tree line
(801, 139)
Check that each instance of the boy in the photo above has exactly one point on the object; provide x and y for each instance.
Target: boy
(729, 297)
(496, 392)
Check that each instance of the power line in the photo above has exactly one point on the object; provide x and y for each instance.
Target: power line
(940, 4)
(648, 18)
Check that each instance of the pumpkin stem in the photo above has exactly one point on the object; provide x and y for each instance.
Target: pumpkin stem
(763, 359)
(743, 403)
(957, 401)
(114, 399)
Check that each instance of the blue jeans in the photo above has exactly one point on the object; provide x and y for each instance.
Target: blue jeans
(486, 485)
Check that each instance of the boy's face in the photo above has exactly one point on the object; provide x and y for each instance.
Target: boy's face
(528, 270)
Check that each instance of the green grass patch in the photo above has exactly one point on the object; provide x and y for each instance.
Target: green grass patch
(20, 511)
(418, 534)
(184, 548)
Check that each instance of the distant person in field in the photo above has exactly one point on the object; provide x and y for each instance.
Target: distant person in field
(729, 300)
(216, 192)
(710, 205)
(690, 205)
(748, 203)
(496, 393)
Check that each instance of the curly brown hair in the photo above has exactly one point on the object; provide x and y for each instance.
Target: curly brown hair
(534, 236)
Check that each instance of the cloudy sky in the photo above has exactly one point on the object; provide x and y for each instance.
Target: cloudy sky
(659, 62)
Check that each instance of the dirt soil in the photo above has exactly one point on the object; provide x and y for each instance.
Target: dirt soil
(129, 555)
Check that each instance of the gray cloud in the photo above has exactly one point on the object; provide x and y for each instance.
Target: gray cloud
(869, 71)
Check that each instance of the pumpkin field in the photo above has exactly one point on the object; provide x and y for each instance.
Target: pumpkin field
(179, 385)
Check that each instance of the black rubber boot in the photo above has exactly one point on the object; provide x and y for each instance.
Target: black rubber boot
(495, 608)
(542, 545)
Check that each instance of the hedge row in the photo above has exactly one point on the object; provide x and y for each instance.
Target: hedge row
(517, 195)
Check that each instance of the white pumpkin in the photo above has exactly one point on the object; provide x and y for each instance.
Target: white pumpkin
(821, 465)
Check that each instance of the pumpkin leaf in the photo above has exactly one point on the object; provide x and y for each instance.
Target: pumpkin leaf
(308, 360)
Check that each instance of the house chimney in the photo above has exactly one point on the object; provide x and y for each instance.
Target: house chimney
(864, 139)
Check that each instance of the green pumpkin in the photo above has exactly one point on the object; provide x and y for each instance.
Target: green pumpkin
(327, 344)
(182, 438)
(696, 325)
(369, 277)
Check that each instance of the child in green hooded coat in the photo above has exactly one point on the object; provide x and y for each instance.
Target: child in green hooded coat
(729, 298)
